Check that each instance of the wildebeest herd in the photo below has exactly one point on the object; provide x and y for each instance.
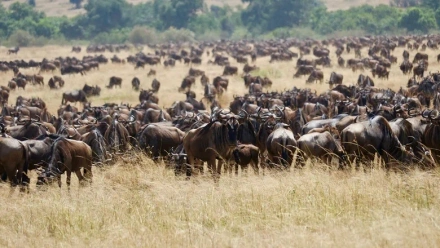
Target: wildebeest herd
(348, 124)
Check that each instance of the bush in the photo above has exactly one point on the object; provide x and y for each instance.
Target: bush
(112, 37)
(142, 35)
(21, 38)
(177, 35)
(210, 36)
(240, 33)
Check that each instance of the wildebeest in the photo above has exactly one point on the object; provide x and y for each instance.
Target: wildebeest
(281, 145)
(91, 90)
(335, 78)
(74, 96)
(212, 141)
(315, 76)
(245, 154)
(114, 81)
(186, 84)
(155, 85)
(117, 136)
(68, 156)
(135, 83)
(230, 70)
(321, 145)
(364, 139)
(13, 160)
(96, 142)
(13, 50)
(76, 49)
(159, 139)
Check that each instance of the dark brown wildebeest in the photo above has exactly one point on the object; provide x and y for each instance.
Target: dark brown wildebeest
(420, 56)
(148, 95)
(430, 136)
(159, 139)
(70, 69)
(204, 80)
(4, 68)
(221, 82)
(155, 85)
(187, 82)
(74, 96)
(14, 160)
(364, 139)
(21, 82)
(341, 62)
(245, 154)
(303, 70)
(47, 67)
(68, 156)
(151, 73)
(406, 67)
(281, 145)
(12, 85)
(230, 70)
(91, 90)
(155, 115)
(321, 52)
(315, 76)
(405, 55)
(27, 130)
(215, 140)
(117, 136)
(135, 83)
(247, 68)
(97, 143)
(38, 79)
(76, 49)
(114, 81)
(195, 72)
(335, 78)
(321, 145)
(419, 70)
(13, 50)
(196, 60)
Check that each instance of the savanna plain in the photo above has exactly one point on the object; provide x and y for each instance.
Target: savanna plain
(138, 203)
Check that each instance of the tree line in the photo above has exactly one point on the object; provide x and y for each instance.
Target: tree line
(117, 21)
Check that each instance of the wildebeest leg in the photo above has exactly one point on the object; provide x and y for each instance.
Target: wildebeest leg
(4, 176)
(212, 167)
(80, 177)
(69, 176)
(88, 175)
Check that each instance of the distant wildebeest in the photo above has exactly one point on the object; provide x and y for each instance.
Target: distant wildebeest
(74, 96)
(13, 50)
(114, 81)
(135, 83)
(230, 70)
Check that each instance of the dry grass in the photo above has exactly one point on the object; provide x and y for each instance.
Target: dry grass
(63, 7)
(138, 203)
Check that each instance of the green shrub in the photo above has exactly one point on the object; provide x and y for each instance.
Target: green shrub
(142, 35)
(21, 38)
(177, 35)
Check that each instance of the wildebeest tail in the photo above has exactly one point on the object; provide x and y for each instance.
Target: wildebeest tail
(284, 152)
(24, 177)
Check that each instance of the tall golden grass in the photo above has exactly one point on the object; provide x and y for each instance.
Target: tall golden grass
(137, 203)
